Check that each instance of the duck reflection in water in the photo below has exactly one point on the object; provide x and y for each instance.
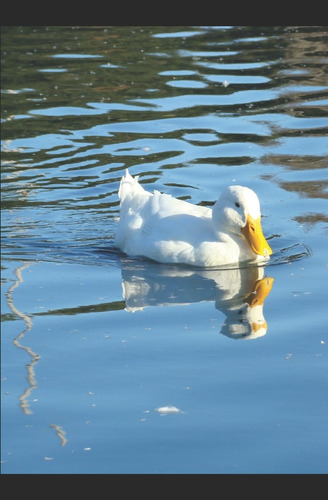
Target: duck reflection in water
(238, 293)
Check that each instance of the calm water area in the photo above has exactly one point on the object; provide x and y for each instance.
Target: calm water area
(116, 365)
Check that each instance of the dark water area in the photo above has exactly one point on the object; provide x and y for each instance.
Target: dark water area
(117, 365)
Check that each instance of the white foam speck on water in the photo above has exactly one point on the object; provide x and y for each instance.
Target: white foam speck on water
(168, 409)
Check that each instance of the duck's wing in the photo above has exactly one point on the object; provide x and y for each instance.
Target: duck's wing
(159, 226)
(165, 206)
(136, 199)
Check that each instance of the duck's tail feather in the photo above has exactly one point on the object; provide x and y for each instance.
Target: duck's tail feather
(129, 185)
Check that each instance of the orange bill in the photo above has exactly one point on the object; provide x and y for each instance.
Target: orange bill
(253, 234)
(260, 291)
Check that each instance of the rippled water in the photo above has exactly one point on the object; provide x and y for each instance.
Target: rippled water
(100, 373)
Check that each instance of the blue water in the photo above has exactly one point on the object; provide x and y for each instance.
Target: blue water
(117, 365)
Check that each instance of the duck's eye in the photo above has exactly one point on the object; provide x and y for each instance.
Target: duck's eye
(237, 204)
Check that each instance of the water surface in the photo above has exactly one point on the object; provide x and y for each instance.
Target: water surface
(120, 365)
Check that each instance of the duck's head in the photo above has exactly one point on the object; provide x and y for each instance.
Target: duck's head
(238, 211)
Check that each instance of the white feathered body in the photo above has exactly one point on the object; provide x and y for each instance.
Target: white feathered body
(168, 230)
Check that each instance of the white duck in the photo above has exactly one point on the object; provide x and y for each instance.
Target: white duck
(168, 230)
